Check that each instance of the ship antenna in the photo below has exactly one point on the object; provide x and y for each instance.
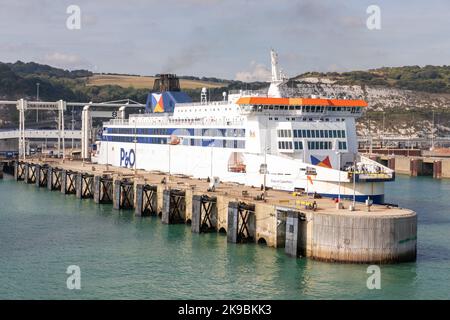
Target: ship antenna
(278, 77)
(274, 63)
(203, 96)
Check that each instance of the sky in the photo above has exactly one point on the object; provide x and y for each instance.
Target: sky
(227, 39)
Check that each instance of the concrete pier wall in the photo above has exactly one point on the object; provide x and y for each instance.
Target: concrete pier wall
(403, 165)
(266, 225)
(362, 239)
(445, 170)
(417, 166)
(383, 236)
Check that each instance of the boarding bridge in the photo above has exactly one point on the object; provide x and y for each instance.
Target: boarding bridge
(40, 134)
(60, 106)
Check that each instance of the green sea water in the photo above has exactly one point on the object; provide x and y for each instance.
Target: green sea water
(126, 257)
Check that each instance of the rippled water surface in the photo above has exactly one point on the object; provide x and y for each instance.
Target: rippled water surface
(125, 257)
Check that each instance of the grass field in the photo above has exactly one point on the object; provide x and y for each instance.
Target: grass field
(141, 82)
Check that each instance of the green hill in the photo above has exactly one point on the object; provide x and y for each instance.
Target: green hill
(18, 80)
(434, 79)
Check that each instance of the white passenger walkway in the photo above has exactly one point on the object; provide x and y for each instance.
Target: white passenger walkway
(41, 134)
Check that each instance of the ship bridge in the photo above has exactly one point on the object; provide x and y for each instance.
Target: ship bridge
(335, 107)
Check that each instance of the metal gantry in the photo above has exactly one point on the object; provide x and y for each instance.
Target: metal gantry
(60, 106)
(24, 105)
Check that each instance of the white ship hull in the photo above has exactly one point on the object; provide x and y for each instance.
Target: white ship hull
(203, 162)
(299, 143)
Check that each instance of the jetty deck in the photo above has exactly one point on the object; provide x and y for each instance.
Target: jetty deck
(379, 234)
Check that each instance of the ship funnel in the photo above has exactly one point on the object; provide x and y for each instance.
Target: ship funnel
(166, 82)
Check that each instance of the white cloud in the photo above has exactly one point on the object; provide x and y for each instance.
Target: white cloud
(257, 72)
(66, 61)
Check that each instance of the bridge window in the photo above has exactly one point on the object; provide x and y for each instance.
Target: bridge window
(285, 145)
(284, 133)
(298, 145)
(319, 145)
(342, 145)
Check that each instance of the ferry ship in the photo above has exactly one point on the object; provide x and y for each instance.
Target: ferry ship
(261, 139)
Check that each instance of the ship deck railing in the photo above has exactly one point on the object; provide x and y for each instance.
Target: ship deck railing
(149, 120)
(202, 104)
(253, 93)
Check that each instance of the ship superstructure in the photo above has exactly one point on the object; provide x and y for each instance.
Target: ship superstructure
(270, 140)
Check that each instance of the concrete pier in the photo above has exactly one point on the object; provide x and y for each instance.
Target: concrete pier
(146, 200)
(41, 175)
(241, 222)
(415, 166)
(84, 185)
(295, 234)
(437, 169)
(30, 173)
(385, 234)
(357, 237)
(174, 206)
(53, 178)
(204, 213)
(68, 182)
(123, 194)
(103, 189)
(19, 171)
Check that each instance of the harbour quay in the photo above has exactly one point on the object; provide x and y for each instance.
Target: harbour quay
(305, 226)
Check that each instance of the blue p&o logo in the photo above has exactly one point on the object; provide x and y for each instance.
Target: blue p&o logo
(127, 159)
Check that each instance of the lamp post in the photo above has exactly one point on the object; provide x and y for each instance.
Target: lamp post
(382, 137)
(266, 148)
(107, 150)
(354, 180)
(339, 180)
(432, 134)
(135, 146)
(265, 171)
(73, 127)
(211, 165)
(37, 99)
(169, 163)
